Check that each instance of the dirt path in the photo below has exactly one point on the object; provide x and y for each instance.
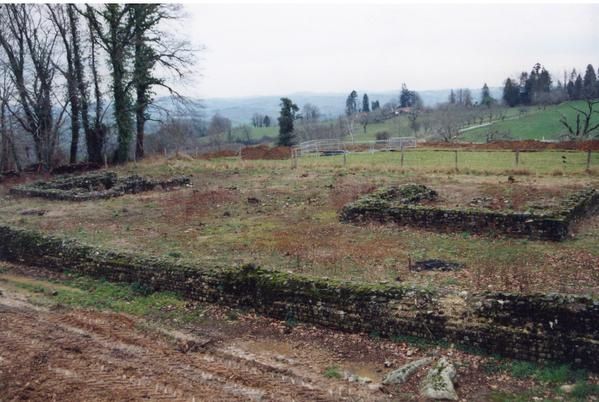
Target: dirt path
(52, 352)
(84, 355)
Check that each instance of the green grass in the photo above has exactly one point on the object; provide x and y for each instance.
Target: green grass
(332, 372)
(549, 374)
(537, 124)
(545, 162)
(583, 390)
(135, 299)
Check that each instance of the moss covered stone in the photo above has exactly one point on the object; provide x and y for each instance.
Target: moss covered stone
(387, 205)
(93, 186)
(528, 327)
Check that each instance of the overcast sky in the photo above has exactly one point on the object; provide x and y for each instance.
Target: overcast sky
(274, 49)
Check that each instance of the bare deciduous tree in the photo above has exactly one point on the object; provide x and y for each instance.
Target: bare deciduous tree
(8, 150)
(583, 127)
(28, 43)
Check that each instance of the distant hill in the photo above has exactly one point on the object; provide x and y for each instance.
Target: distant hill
(240, 110)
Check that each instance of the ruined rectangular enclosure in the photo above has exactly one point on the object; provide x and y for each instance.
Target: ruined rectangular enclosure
(94, 186)
(389, 205)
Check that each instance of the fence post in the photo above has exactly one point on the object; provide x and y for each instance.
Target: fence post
(401, 158)
(517, 156)
(456, 159)
(589, 159)
(344, 158)
(293, 159)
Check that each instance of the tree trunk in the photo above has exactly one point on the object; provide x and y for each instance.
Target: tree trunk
(140, 117)
(121, 109)
(4, 152)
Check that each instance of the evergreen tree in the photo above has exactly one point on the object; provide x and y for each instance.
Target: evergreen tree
(590, 82)
(459, 96)
(578, 88)
(266, 121)
(286, 119)
(570, 90)
(451, 98)
(375, 105)
(467, 98)
(406, 97)
(525, 94)
(365, 103)
(545, 82)
(485, 96)
(351, 104)
(511, 93)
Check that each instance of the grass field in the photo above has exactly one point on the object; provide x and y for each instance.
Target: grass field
(537, 124)
(556, 163)
(294, 223)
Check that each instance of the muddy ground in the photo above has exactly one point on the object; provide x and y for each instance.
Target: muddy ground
(51, 351)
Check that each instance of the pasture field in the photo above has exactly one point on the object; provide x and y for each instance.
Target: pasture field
(277, 216)
(538, 123)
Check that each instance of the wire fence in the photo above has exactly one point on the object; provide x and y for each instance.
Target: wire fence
(332, 146)
(523, 162)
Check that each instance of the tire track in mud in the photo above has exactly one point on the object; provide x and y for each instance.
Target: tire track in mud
(87, 355)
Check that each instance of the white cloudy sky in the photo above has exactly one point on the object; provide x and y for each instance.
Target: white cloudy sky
(272, 49)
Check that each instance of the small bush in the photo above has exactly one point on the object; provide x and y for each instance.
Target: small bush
(521, 369)
(552, 374)
(141, 289)
(559, 374)
(584, 390)
(382, 135)
(332, 372)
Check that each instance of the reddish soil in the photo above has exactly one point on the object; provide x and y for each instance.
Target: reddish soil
(63, 354)
(522, 145)
(219, 154)
(265, 152)
(86, 355)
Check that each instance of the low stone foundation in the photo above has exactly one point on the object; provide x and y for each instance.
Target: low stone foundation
(531, 327)
(93, 186)
(554, 225)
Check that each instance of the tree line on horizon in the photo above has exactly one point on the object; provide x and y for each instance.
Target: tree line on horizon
(460, 110)
(537, 87)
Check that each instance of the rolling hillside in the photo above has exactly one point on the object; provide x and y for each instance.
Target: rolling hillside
(538, 124)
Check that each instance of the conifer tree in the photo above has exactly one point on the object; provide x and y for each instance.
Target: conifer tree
(286, 119)
(485, 97)
(365, 103)
(590, 82)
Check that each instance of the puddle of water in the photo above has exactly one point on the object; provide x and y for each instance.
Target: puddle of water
(271, 346)
(365, 370)
(286, 349)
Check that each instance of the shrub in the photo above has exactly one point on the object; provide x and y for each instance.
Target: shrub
(382, 135)
(332, 372)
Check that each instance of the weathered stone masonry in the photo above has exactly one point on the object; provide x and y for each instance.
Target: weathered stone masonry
(530, 327)
(94, 186)
(554, 225)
